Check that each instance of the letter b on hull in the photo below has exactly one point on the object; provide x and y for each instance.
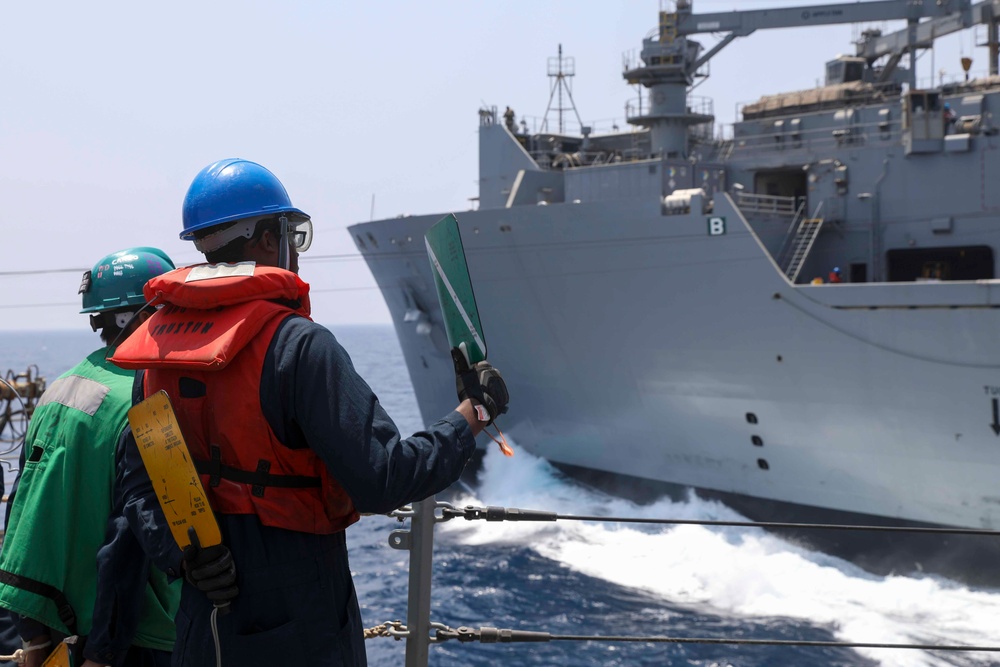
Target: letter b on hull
(716, 226)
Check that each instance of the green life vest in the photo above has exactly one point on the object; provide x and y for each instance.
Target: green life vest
(61, 508)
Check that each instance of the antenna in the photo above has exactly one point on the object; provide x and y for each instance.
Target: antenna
(561, 70)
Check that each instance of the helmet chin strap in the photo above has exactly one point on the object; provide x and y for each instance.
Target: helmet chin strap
(283, 258)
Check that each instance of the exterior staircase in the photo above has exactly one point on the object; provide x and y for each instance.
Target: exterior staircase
(802, 243)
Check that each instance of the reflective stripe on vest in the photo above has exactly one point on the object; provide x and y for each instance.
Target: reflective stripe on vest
(75, 392)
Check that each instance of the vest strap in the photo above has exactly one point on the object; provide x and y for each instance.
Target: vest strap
(263, 467)
(216, 476)
(63, 607)
(259, 479)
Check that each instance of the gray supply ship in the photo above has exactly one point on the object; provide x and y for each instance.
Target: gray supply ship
(652, 299)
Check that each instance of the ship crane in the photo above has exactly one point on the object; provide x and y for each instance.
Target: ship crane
(670, 60)
(945, 17)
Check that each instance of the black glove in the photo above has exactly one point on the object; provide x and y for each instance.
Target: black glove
(210, 569)
(480, 382)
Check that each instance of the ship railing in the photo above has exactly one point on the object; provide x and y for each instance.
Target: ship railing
(632, 58)
(637, 107)
(420, 631)
(488, 115)
(546, 160)
(951, 80)
(536, 125)
(703, 131)
(696, 104)
(752, 202)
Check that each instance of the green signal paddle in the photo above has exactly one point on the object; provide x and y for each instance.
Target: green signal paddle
(454, 289)
(458, 301)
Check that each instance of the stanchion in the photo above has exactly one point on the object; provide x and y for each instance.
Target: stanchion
(418, 605)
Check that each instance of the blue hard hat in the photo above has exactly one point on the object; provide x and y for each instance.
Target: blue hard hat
(836, 269)
(947, 106)
(230, 190)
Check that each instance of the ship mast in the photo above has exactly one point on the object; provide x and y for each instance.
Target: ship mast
(667, 71)
(561, 70)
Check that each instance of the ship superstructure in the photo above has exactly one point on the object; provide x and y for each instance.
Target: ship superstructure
(652, 296)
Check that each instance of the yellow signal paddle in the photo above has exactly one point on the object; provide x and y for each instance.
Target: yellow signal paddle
(172, 472)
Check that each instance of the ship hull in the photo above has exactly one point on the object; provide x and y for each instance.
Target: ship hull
(639, 344)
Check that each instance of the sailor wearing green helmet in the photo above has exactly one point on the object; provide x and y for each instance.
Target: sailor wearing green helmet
(63, 497)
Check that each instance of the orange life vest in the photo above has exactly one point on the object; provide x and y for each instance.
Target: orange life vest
(206, 348)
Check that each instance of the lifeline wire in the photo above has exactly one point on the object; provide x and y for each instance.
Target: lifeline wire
(488, 635)
(471, 513)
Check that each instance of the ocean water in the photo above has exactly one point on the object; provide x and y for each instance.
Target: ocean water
(574, 578)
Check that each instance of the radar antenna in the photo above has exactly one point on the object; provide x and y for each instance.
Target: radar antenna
(561, 70)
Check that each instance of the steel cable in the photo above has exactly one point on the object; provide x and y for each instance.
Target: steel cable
(488, 635)
(471, 513)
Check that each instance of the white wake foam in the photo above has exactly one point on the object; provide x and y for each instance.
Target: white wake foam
(736, 572)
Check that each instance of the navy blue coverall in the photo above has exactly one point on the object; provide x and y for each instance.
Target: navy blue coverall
(297, 604)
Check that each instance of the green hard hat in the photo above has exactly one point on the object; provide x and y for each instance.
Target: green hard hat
(116, 281)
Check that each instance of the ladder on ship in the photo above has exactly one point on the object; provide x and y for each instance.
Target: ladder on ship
(668, 27)
(805, 236)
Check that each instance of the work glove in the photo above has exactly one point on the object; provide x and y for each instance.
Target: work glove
(480, 382)
(211, 570)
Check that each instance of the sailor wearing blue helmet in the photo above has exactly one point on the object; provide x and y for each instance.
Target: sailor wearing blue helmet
(290, 441)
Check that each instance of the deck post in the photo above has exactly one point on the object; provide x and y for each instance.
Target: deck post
(418, 605)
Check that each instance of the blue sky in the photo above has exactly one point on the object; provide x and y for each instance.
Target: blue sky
(111, 108)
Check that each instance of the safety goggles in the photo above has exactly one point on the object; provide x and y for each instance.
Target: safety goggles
(300, 234)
